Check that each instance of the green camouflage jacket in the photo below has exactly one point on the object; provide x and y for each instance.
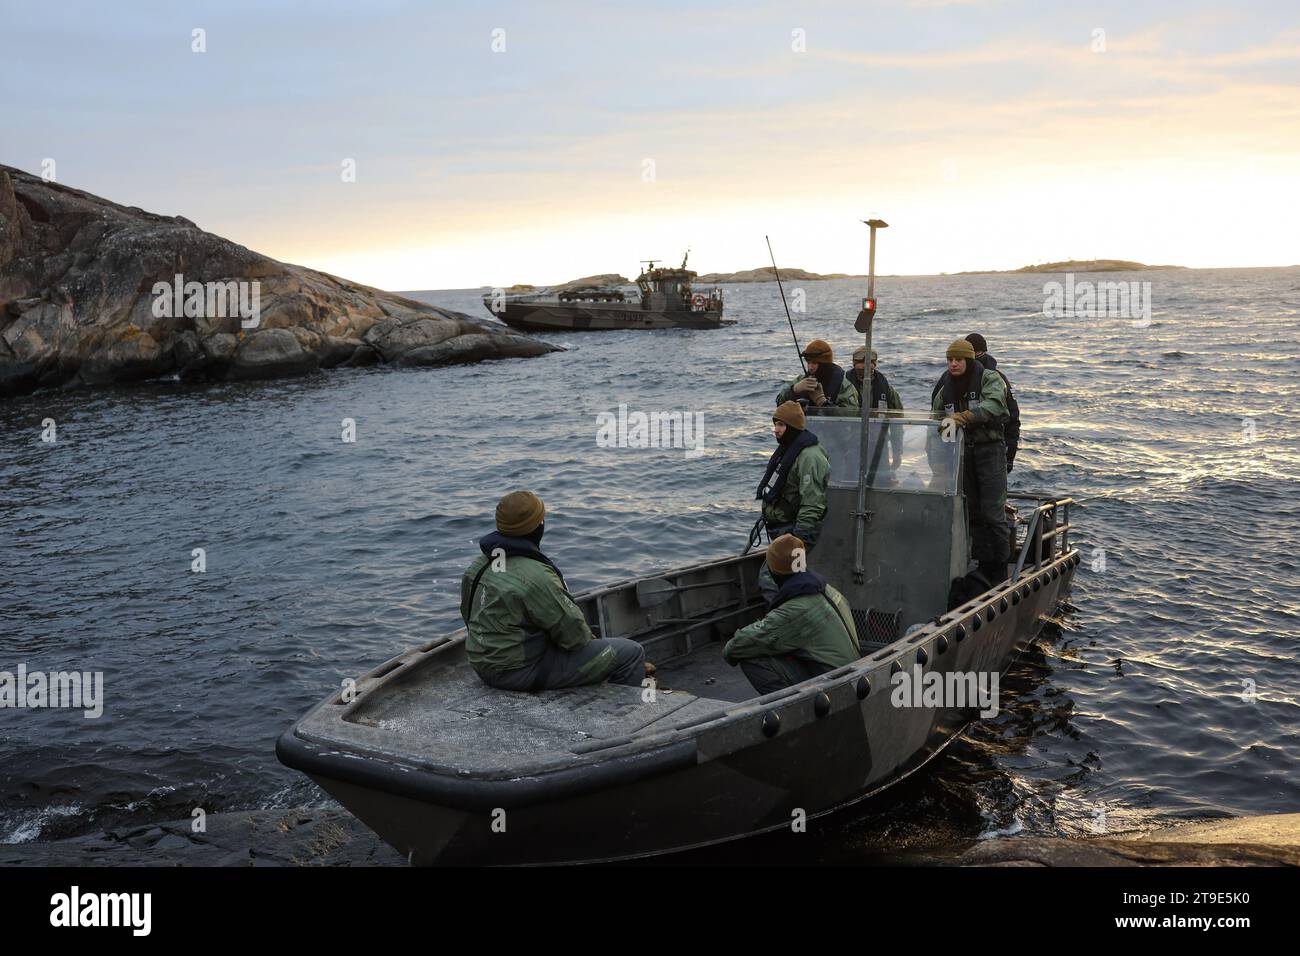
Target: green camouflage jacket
(802, 501)
(819, 625)
(990, 410)
(847, 398)
(525, 596)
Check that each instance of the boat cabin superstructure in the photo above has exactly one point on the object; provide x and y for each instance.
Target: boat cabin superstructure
(671, 290)
(916, 541)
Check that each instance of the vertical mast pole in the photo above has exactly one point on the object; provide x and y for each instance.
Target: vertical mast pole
(864, 323)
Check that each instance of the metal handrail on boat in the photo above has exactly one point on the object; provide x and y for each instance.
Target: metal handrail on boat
(1040, 540)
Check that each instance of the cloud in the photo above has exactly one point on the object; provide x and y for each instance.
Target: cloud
(930, 115)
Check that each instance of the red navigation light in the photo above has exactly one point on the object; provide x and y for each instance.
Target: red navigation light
(866, 315)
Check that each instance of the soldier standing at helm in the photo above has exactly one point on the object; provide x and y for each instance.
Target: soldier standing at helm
(883, 396)
(525, 632)
(882, 393)
(1012, 429)
(824, 385)
(973, 403)
(793, 489)
(806, 631)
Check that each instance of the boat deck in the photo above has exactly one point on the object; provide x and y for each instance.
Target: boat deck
(446, 715)
(704, 673)
(428, 706)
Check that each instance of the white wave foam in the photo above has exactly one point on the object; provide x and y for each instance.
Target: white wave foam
(27, 826)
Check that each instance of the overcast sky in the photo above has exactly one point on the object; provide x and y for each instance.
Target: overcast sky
(989, 134)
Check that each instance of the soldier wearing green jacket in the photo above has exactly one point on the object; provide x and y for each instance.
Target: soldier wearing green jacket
(883, 394)
(793, 489)
(973, 403)
(825, 384)
(808, 628)
(525, 632)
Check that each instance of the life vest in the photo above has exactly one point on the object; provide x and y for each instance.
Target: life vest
(779, 465)
(952, 400)
(879, 391)
(837, 382)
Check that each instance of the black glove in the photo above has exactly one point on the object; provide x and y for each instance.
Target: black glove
(804, 535)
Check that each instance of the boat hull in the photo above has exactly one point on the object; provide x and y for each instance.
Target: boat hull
(605, 317)
(799, 753)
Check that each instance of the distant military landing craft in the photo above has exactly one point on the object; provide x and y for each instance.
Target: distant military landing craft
(666, 302)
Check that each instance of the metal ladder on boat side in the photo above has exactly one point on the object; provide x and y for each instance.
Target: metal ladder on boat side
(1041, 530)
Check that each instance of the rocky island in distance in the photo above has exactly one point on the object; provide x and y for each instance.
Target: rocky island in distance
(605, 280)
(1070, 265)
(767, 274)
(764, 274)
(80, 281)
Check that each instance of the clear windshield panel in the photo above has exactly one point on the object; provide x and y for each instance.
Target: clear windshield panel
(907, 454)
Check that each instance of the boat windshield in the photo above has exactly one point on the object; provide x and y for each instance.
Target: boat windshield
(909, 453)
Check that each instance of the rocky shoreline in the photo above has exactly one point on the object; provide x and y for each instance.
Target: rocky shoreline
(333, 837)
(85, 299)
(302, 837)
(1272, 840)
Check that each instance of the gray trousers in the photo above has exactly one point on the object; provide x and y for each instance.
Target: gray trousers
(769, 674)
(616, 660)
(986, 501)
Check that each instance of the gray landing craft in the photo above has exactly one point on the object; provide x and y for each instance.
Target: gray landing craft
(448, 770)
(666, 301)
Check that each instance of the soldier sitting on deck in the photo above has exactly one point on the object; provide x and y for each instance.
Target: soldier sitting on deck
(808, 628)
(525, 632)
(824, 385)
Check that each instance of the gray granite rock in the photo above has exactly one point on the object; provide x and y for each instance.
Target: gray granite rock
(256, 838)
(83, 301)
(1270, 840)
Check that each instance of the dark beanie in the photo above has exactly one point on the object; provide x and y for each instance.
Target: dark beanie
(520, 513)
(792, 414)
(819, 351)
(781, 554)
(960, 349)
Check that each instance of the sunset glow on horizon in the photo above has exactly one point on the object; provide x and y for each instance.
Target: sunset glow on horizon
(577, 141)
